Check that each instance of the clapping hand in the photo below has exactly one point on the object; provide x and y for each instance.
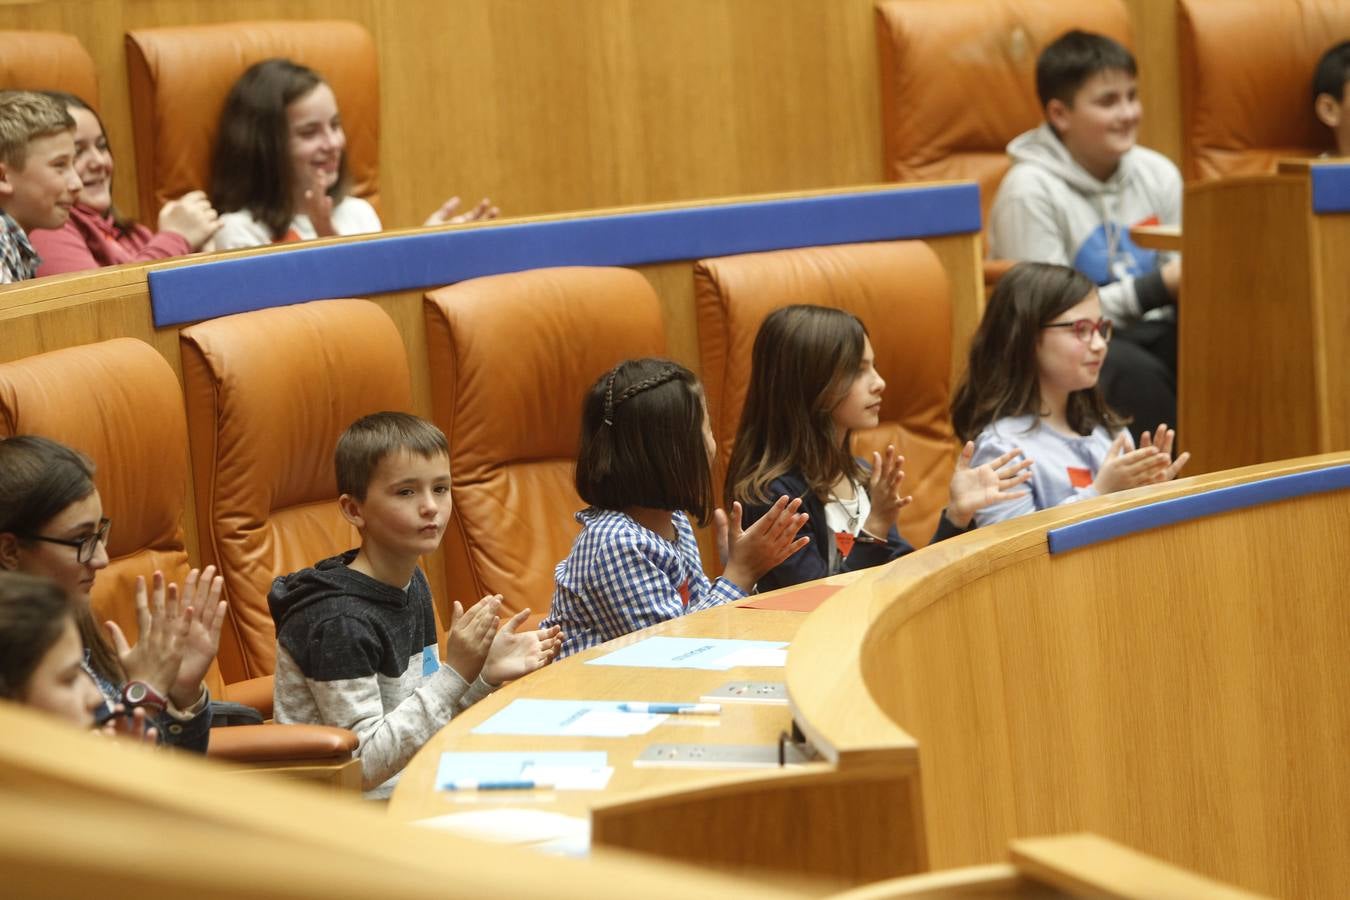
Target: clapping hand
(470, 635)
(752, 552)
(515, 654)
(162, 636)
(974, 489)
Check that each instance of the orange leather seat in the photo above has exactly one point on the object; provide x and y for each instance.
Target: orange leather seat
(179, 77)
(47, 61)
(1246, 81)
(900, 292)
(958, 82)
(119, 403)
(511, 358)
(268, 394)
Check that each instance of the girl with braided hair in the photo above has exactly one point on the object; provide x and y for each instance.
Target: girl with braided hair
(813, 382)
(644, 467)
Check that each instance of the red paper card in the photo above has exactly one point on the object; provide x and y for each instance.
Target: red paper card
(801, 600)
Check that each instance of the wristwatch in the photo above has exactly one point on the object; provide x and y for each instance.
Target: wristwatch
(138, 693)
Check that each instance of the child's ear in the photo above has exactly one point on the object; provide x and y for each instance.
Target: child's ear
(6, 184)
(9, 551)
(351, 510)
(1057, 114)
(1328, 110)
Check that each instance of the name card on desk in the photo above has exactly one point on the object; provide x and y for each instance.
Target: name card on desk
(696, 653)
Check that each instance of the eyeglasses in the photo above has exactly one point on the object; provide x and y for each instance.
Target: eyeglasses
(85, 547)
(1083, 328)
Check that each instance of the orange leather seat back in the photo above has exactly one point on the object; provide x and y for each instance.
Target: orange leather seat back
(512, 357)
(900, 292)
(118, 403)
(47, 61)
(179, 78)
(958, 80)
(1246, 81)
(268, 395)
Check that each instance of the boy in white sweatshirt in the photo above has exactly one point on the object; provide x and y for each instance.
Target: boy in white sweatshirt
(1079, 182)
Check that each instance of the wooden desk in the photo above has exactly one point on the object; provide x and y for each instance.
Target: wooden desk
(1157, 237)
(809, 820)
(1180, 685)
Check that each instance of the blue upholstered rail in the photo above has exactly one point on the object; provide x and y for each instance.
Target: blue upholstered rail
(361, 268)
(1183, 509)
(1330, 189)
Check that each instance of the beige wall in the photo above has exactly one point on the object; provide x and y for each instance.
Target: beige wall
(554, 105)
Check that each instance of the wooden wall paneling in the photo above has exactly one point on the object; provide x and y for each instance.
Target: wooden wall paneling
(1154, 23)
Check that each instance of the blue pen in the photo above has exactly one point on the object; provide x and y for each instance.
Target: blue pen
(673, 709)
(507, 784)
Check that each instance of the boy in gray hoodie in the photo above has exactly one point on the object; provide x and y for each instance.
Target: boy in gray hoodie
(1079, 182)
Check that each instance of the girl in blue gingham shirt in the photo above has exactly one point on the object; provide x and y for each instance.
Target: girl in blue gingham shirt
(645, 458)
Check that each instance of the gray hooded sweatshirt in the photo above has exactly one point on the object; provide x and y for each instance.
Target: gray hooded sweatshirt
(1050, 209)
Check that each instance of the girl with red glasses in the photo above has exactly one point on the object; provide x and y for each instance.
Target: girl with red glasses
(1032, 382)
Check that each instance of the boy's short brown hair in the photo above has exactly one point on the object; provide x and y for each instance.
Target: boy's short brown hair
(24, 116)
(371, 438)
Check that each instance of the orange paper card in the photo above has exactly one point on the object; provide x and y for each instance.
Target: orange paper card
(802, 600)
(1079, 477)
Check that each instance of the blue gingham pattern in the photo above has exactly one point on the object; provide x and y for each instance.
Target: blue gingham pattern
(620, 577)
(18, 260)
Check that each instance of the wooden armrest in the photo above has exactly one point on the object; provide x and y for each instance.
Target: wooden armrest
(1157, 237)
(255, 692)
(259, 743)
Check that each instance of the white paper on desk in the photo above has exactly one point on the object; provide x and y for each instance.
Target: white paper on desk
(766, 657)
(569, 778)
(512, 826)
(609, 722)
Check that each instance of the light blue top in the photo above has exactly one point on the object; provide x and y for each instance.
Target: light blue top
(1058, 461)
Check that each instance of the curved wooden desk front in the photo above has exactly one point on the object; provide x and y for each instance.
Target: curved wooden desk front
(1183, 690)
(813, 820)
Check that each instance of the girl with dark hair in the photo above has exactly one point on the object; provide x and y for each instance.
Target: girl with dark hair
(42, 659)
(95, 235)
(1032, 380)
(645, 458)
(813, 382)
(279, 168)
(52, 524)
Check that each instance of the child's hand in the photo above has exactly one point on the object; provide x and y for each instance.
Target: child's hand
(514, 655)
(883, 488)
(1126, 467)
(974, 489)
(446, 214)
(763, 545)
(158, 653)
(319, 207)
(203, 637)
(191, 216)
(1163, 438)
(135, 726)
(469, 637)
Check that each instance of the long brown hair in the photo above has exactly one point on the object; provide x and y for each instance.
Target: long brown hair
(121, 222)
(1002, 378)
(804, 361)
(39, 478)
(250, 165)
